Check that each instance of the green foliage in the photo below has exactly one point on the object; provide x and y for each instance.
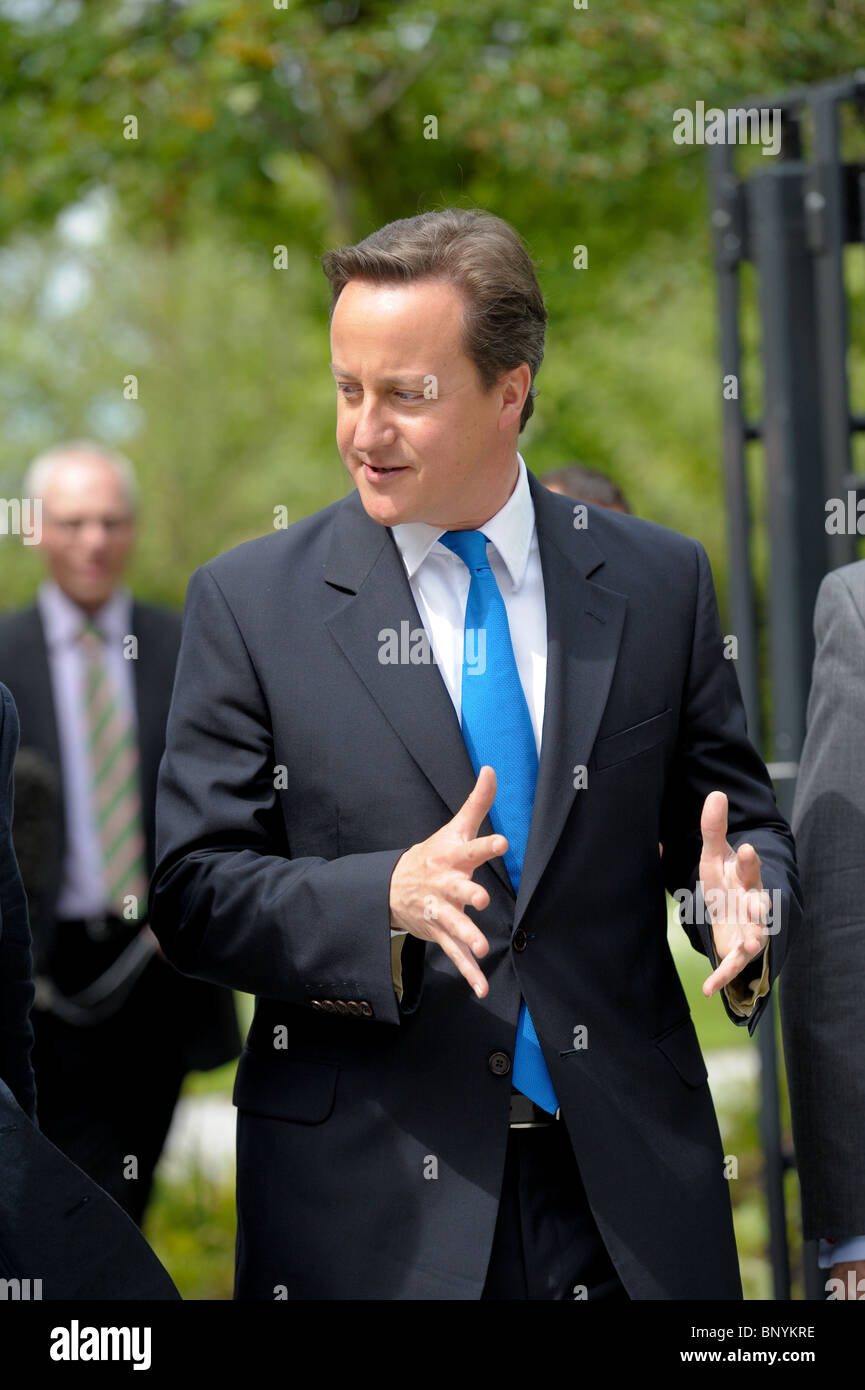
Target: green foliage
(191, 1227)
(304, 124)
(535, 100)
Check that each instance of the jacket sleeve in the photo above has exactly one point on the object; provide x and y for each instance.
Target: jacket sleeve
(228, 901)
(714, 753)
(16, 985)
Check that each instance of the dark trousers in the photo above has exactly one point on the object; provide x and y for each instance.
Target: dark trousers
(105, 1094)
(546, 1243)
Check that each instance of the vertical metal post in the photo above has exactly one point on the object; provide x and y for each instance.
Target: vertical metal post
(796, 516)
(797, 549)
(793, 221)
(728, 227)
(826, 223)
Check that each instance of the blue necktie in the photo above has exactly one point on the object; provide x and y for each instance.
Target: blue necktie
(497, 729)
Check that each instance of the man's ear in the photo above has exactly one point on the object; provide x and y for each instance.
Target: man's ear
(514, 386)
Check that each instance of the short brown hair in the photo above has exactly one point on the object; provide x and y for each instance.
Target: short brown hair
(479, 254)
(587, 485)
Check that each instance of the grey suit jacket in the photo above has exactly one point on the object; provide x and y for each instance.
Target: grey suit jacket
(823, 990)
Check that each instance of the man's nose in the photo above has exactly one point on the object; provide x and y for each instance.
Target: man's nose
(372, 428)
(95, 537)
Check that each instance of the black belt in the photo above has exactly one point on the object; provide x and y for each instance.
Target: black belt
(526, 1115)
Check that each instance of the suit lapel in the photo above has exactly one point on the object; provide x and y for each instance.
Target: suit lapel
(33, 678)
(584, 625)
(584, 630)
(150, 685)
(414, 699)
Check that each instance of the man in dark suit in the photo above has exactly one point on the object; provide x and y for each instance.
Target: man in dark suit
(472, 1071)
(824, 982)
(91, 670)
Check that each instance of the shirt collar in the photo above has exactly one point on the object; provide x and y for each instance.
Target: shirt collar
(511, 531)
(63, 619)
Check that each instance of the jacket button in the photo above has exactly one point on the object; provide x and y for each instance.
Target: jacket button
(366, 1009)
(341, 1006)
(353, 1007)
(520, 940)
(315, 1003)
(328, 1006)
(499, 1063)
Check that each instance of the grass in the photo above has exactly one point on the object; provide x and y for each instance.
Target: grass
(191, 1226)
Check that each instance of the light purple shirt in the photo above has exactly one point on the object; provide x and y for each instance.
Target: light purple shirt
(82, 890)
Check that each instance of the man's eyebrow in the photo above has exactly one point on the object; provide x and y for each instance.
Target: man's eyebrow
(417, 379)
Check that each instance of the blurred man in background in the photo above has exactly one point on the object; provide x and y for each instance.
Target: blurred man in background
(91, 670)
(586, 485)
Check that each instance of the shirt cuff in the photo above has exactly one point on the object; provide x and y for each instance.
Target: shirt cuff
(841, 1251)
(742, 995)
(397, 941)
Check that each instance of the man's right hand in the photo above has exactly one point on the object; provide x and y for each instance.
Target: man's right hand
(432, 883)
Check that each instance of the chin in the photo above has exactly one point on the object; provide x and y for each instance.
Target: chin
(94, 595)
(380, 510)
(389, 511)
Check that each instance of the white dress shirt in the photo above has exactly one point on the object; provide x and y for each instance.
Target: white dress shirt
(440, 583)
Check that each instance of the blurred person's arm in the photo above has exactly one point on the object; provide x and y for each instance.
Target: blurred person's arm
(16, 985)
(824, 983)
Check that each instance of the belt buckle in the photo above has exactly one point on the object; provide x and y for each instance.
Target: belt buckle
(524, 1113)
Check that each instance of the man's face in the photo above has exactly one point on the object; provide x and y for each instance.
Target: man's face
(409, 399)
(87, 529)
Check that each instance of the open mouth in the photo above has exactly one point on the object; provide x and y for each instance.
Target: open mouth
(375, 472)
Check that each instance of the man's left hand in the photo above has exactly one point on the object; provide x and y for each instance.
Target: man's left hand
(737, 903)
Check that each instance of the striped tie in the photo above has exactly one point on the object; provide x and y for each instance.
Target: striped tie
(114, 780)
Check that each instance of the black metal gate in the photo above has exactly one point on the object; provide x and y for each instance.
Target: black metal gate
(791, 220)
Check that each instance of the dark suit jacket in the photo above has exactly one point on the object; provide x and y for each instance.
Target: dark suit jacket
(209, 1035)
(824, 984)
(16, 988)
(297, 770)
(59, 1228)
